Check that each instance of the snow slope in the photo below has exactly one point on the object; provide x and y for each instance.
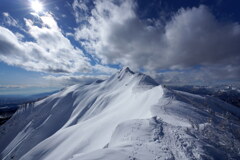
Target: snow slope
(128, 116)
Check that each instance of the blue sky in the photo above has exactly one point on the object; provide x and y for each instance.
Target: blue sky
(74, 41)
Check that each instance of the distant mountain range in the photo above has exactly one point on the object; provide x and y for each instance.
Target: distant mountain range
(18, 99)
(226, 93)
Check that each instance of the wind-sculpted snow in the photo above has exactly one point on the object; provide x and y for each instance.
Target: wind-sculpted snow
(128, 116)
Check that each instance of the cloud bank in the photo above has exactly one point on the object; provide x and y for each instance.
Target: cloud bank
(202, 76)
(67, 80)
(192, 37)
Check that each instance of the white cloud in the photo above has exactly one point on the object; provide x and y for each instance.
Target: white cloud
(68, 34)
(194, 36)
(19, 36)
(51, 51)
(80, 10)
(115, 34)
(66, 80)
(9, 20)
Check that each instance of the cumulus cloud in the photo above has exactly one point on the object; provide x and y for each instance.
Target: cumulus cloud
(50, 51)
(193, 36)
(113, 32)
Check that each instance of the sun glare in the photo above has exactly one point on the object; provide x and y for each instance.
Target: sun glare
(37, 6)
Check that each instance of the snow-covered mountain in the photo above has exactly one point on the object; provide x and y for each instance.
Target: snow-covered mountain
(126, 117)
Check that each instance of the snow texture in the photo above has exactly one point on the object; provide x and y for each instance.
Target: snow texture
(126, 117)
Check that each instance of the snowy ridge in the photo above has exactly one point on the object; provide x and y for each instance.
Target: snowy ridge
(128, 116)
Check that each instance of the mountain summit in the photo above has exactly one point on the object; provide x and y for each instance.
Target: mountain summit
(142, 79)
(128, 116)
(126, 70)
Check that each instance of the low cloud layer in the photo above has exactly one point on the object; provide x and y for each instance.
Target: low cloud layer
(214, 75)
(67, 80)
(193, 36)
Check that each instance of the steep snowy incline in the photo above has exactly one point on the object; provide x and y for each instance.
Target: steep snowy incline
(128, 116)
(184, 126)
(77, 115)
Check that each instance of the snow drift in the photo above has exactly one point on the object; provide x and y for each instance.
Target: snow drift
(128, 116)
